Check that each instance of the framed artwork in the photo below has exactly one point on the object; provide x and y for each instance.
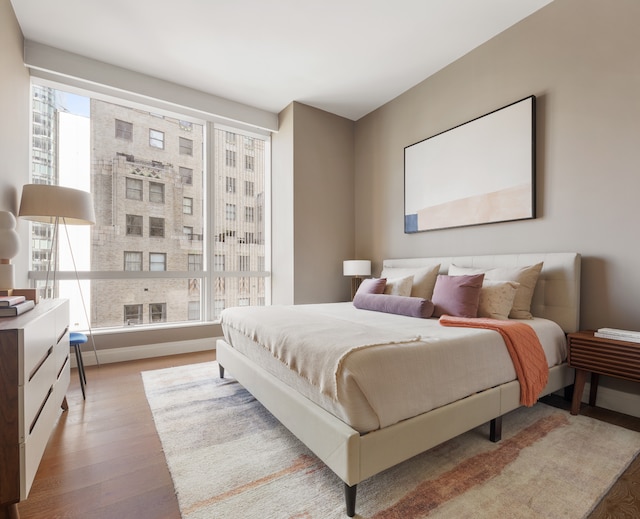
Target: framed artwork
(482, 171)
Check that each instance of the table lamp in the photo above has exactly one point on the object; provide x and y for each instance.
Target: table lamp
(357, 269)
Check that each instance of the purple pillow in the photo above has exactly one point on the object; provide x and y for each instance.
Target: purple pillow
(458, 296)
(403, 305)
(372, 286)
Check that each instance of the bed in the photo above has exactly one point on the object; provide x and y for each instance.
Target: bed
(356, 439)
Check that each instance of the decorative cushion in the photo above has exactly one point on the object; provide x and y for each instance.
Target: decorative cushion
(410, 306)
(526, 276)
(496, 299)
(457, 295)
(424, 278)
(399, 286)
(372, 286)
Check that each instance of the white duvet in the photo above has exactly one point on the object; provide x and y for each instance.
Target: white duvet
(373, 369)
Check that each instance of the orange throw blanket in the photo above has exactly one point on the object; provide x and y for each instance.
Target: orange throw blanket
(524, 347)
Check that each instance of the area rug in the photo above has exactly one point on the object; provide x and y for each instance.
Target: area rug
(229, 457)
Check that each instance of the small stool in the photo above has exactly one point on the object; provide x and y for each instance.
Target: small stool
(76, 340)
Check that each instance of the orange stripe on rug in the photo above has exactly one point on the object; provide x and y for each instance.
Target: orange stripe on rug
(472, 472)
(301, 463)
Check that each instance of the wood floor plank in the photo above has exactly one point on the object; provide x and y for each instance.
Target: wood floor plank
(104, 460)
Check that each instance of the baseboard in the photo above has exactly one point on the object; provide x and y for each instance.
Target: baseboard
(108, 356)
(614, 400)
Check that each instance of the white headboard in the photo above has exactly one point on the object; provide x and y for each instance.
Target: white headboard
(557, 293)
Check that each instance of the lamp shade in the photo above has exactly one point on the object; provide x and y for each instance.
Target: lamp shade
(44, 203)
(356, 268)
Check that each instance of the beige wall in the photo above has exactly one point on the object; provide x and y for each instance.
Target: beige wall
(580, 58)
(14, 126)
(313, 213)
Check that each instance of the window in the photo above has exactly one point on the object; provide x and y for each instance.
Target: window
(157, 312)
(150, 190)
(186, 175)
(195, 262)
(134, 225)
(248, 162)
(244, 263)
(248, 214)
(156, 139)
(157, 261)
(124, 130)
(156, 192)
(244, 301)
(134, 189)
(193, 311)
(156, 227)
(133, 261)
(186, 146)
(132, 314)
(230, 158)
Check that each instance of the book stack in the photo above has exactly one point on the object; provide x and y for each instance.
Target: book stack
(10, 306)
(618, 335)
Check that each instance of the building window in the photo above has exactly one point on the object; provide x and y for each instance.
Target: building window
(248, 188)
(156, 139)
(230, 158)
(248, 162)
(230, 137)
(248, 214)
(249, 237)
(231, 185)
(132, 314)
(156, 192)
(187, 205)
(186, 146)
(195, 262)
(218, 262)
(193, 312)
(124, 130)
(134, 225)
(186, 175)
(186, 126)
(157, 261)
(244, 263)
(156, 227)
(134, 189)
(230, 211)
(244, 301)
(249, 143)
(133, 261)
(158, 312)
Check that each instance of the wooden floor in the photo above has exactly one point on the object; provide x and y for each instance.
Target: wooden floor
(105, 461)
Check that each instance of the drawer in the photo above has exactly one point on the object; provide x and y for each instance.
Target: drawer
(35, 391)
(38, 338)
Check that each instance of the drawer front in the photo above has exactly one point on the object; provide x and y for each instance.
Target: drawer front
(35, 393)
(39, 337)
(607, 358)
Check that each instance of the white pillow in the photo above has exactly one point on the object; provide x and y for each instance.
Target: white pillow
(424, 278)
(399, 286)
(526, 276)
(496, 299)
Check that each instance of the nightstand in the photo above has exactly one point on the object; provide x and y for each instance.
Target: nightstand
(599, 356)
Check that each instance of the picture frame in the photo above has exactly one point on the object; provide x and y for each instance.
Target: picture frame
(479, 172)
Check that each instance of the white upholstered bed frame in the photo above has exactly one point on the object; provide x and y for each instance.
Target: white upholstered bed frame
(355, 457)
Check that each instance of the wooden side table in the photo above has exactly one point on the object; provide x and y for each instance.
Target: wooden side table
(599, 356)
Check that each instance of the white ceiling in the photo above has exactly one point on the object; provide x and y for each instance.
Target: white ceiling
(347, 57)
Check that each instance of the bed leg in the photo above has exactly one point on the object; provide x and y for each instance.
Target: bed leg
(495, 429)
(221, 370)
(350, 498)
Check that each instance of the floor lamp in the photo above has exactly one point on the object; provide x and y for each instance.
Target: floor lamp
(54, 205)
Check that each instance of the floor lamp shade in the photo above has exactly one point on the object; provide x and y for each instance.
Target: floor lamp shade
(47, 203)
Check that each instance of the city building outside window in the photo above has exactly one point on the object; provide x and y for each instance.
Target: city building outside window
(124, 130)
(248, 162)
(156, 139)
(122, 265)
(231, 185)
(134, 188)
(248, 214)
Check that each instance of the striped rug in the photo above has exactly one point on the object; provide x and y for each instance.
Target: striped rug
(229, 458)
